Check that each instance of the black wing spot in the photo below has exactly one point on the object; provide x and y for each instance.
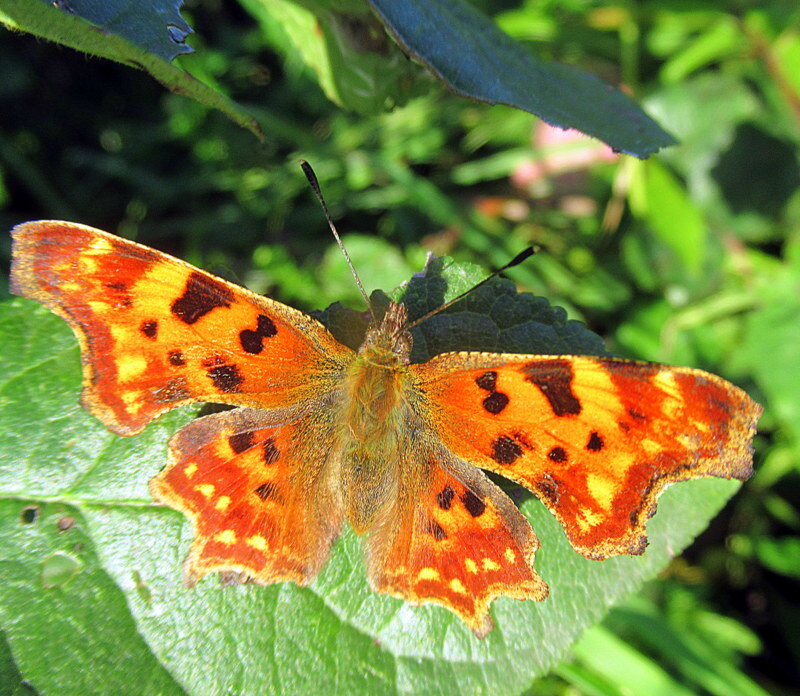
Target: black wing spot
(444, 499)
(637, 415)
(176, 358)
(557, 454)
(29, 514)
(241, 442)
(253, 341)
(226, 378)
(266, 490)
(505, 450)
(487, 381)
(435, 530)
(271, 451)
(201, 295)
(495, 402)
(596, 442)
(475, 506)
(554, 379)
(149, 328)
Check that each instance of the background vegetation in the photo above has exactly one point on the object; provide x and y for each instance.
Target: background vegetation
(691, 257)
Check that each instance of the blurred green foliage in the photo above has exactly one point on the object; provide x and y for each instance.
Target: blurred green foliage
(692, 257)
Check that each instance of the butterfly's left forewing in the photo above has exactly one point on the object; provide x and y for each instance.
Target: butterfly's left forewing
(596, 439)
(156, 333)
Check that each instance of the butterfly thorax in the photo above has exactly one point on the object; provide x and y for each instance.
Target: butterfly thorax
(376, 412)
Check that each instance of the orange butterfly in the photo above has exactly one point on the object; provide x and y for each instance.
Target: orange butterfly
(324, 434)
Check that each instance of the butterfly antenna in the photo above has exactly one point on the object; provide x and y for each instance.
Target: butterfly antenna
(312, 180)
(518, 259)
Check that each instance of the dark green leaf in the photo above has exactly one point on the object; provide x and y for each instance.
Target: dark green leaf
(47, 21)
(492, 318)
(474, 58)
(153, 25)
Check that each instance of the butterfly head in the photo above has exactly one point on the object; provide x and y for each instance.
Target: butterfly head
(388, 342)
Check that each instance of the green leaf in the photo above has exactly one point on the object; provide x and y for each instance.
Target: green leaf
(47, 21)
(770, 346)
(153, 25)
(69, 638)
(624, 666)
(658, 197)
(355, 62)
(474, 58)
(335, 635)
(780, 555)
(686, 648)
(722, 38)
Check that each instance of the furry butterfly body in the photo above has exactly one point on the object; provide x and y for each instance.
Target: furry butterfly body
(322, 435)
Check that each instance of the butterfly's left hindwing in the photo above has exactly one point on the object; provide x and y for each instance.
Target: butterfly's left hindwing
(595, 438)
(156, 333)
(255, 486)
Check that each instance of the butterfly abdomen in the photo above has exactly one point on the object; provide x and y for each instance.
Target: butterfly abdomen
(376, 413)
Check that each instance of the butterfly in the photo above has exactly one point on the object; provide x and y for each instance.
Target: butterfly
(322, 435)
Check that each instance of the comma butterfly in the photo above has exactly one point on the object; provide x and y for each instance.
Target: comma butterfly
(323, 434)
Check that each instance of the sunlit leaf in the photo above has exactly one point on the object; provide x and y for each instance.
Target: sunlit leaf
(64, 463)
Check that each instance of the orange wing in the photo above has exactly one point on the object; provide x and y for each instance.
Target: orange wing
(259, 501)
(596, 439)
(456, 540)
(156, 333)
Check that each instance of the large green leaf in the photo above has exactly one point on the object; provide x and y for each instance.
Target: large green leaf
(70, 632)
(130, 37)
(115, 586)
